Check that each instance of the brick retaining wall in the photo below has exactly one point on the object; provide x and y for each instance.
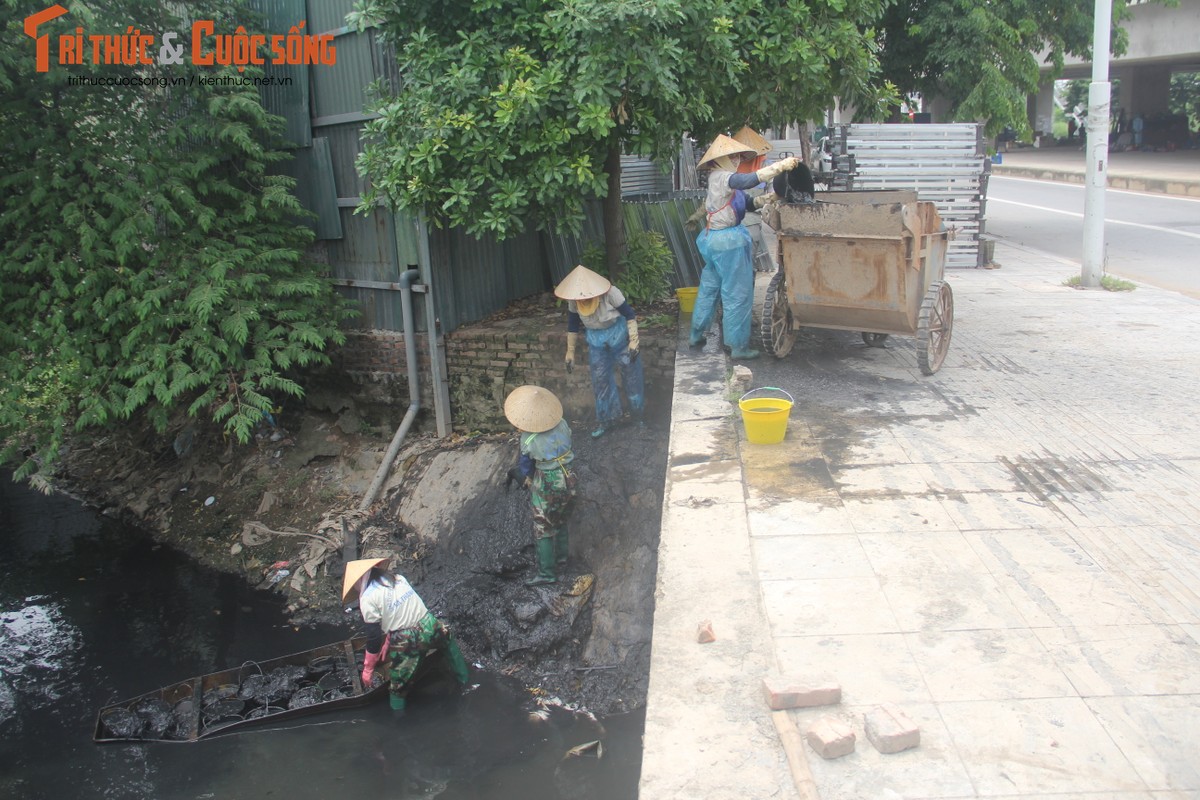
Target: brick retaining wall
(485, 361)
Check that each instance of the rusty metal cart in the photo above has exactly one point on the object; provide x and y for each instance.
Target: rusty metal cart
(868, 261)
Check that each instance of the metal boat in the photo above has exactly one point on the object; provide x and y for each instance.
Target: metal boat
(321, 679)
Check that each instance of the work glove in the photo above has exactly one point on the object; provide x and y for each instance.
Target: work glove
(634, 343)
(768, 173)
(570, 360)
(693, 222)
(370, 660)
(514, 476)
(763, 199)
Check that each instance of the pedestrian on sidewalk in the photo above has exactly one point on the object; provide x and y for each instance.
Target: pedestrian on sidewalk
(544, 469)
(725, 244)
(611, 330)
(400, 629)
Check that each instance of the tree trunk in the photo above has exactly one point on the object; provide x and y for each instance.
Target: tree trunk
(614, 218)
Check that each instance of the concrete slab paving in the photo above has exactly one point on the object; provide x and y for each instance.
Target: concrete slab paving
(1008, 550)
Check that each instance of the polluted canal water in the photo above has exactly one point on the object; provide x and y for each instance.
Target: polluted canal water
(92, 612)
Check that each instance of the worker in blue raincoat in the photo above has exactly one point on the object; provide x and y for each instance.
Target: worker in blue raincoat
(612, 339)
(725, 244)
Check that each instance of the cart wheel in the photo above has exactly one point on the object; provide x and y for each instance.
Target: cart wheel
(874, 339)
(775, 328)
(934, 327)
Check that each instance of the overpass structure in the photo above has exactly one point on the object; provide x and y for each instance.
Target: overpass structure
(1163, 40)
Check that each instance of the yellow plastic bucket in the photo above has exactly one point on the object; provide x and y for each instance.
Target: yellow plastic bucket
(765, 418)
(687, 298)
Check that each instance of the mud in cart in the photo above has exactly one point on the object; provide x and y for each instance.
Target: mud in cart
(868, 261)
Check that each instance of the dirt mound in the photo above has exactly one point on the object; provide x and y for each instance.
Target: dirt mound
(276, 511)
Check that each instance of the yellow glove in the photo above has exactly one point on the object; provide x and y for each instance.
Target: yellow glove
(634, 344)
(571, 337)
(763, 199)
(768, 173)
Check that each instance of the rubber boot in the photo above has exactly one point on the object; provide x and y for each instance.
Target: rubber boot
(696, 340)
(561, 547)
(545, 560)
(598, 432)
(397, 703)
(745, 355)
(458, 664)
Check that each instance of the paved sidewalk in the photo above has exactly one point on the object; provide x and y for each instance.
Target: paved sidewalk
(1007, 550)
(1176, 173)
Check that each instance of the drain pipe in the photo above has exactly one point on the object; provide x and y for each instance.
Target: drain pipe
(414, 390)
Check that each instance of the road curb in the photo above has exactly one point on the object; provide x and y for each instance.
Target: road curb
(1175, 188)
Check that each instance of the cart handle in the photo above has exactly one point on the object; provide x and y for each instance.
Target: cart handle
(791, 399)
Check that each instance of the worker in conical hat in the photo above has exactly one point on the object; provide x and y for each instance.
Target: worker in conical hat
(611, 328)
(544, 467)
(400, 629)
(726, 246)
(756, 142)
(762, 236)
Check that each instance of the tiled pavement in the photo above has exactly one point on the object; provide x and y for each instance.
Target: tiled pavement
(1007, 550)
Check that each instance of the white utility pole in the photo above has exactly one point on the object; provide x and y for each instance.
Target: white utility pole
(1099, 93)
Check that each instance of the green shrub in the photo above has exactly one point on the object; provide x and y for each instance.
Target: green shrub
(645, 270)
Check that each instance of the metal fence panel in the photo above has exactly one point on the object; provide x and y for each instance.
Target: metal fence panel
(943, 163)
(287, 94)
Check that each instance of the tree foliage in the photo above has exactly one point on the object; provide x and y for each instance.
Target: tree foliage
(149, 263)
(1185, 97)
(507, 113)
(982, 58)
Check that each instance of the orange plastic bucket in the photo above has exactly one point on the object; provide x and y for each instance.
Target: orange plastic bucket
(765, 418)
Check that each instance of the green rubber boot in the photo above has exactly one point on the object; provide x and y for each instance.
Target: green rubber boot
(397, 702)
(561, 547)
(545, 560)
(458, 664)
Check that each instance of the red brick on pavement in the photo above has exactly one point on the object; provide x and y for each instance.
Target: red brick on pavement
(831, 737)
(786, 692)
(891, 730)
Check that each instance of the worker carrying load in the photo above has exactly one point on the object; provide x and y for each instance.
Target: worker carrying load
(400, 629)
(544, 468)
(725, 244)
(611, 331)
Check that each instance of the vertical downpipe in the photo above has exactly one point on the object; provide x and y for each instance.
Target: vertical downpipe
(414, 389)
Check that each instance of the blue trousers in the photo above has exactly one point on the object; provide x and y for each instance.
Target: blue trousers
(729, 275)
(608, 349)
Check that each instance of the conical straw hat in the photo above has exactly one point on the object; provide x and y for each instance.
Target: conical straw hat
(582, 284)
(724, 146)
(355, 570)
(532, 408)
(752, 138)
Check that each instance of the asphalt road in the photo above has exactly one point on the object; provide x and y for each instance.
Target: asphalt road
(1151, 238)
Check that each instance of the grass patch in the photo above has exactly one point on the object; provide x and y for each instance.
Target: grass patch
(1107, 282)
